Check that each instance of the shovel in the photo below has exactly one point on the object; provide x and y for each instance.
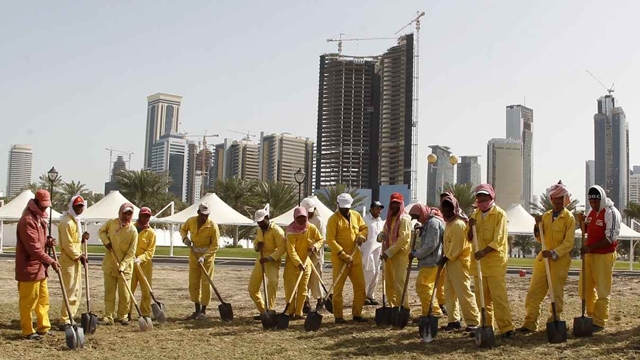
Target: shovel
(583, 326)
(400, 314)
(157, 307)
(225, 309)
(88, 320)
(484, 335)
(383, 314)
(428, 325)
(144, 323)
(328, 298)
(74, 335)
(283, 319)
(269, 317)
(314, 318)
(556, 329)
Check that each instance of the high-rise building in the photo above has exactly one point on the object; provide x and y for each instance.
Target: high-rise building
(439, 174)
(163, 118)
(243, 160)
(396, 113)
(590, 180)
(20, 168)
(504, 171)
(281, 155)
(611, 134)
(220, 161)
(348, 122)
(469, 171)
(193, 194)
(170, 155)
(520, 127)
(118, 167)
(634, 188)
(636, 170)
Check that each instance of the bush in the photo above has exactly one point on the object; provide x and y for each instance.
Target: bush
(231, 246)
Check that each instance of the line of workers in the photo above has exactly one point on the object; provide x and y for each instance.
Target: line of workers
(362, 243)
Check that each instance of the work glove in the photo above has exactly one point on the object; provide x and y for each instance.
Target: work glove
(85, 237)
(186, 241)
(266, 259)
(138, 261)
(346, 257)
(201, 260)
(360, 239)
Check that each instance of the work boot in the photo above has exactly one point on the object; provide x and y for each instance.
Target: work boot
(524, 330)
(360, 319)
(257, 318)
(124, 322)
(307, 307)
(33, 336)
(374, 302)
(597, 328)
(470, 329)
(195, 313)
(64, 327)
(443, 308)
(452, 326)
(340, 321)
(106, 321)
(508, 335)
(319, 305)
(203, 313)
(367, 301)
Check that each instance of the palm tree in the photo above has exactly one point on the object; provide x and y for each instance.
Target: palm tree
(525, 243)
(465, 195)
(329, 195)
(145, 188)
(93, 198)
(280, 196)
(68, 190)
(633, 210)
(545, 204)
(240, 195)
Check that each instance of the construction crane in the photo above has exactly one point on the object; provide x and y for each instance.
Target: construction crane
(204, 153)
(340, 40)
(609, 90)
(416, 103)
(247, 136)
(204, 137)
(123, 152)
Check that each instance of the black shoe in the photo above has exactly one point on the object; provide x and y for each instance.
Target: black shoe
(34, 336)
(367, 301)
(451, 326)
(48, 333)
(129, 316)
(193, 316)
(470, 329)
(373, 302)
(340, 321)
(64, 327)
(306, 308)
(597, 328)
(524, 330)
(124, 322)
(443, 308)
(297, 317)
(257, 318)
(360, 319)
(508, 335)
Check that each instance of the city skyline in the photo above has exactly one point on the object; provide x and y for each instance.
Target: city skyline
(470, 80)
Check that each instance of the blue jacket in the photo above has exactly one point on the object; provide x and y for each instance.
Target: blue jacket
(430, 250)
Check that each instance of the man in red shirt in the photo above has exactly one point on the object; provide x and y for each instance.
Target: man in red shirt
(32, 262)
(602, 226)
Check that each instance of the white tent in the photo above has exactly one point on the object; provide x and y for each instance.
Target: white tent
(520, 222)
(221, 213)
(626, 233)
(107, 208)
(286, 218)
(12, 211)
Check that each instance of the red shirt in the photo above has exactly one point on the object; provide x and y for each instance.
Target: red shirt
(31, 256)
(596, 231)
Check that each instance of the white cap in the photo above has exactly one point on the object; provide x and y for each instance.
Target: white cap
(260, 214)
(308, 204)
(482, 192)
(128, 209)
(344, 201)
(204, 209)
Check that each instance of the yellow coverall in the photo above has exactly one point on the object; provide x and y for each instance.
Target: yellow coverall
(144, 251)
(298, 246)
(70, 252)
(559, 237)
(492, 232)
(123, 241)
(273, 246)
(205, 242)
(598, 272)
(457, 284)
(341, 238)
(395, 267)
(34, 296)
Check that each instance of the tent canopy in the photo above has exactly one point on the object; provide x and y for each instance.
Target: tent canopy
(108, 208)
(286, 218)
(12, 211)
(520, 222)
(221, 213)
(626, 233)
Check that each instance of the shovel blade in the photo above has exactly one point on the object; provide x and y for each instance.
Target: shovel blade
(265, 319)
(226, 312)
(79, 335)
(582, 326)
(158, 312)
(329, 304)
(485, 337)
(313, 321)
(428, 328)
(400, 317)
(381, 316)
(71, 338)
(557, 332)
(89, 322)
(145, 324)
(283, 321)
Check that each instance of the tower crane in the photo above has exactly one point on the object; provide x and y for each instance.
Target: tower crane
(339, 40)
(247, 136)
(123, 152)
(416, 103)
(609, 90)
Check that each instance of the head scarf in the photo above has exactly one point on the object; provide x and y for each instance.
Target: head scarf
(139, 223)
(32, 207)
(294, 227)
(392, 233)
(457, 212)
(73, 214)
(124, 223)
(486, 205)
(559, 190)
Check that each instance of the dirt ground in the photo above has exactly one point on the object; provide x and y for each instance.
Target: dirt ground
(245, 338)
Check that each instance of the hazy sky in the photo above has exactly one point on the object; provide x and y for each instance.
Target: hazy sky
(75, 75)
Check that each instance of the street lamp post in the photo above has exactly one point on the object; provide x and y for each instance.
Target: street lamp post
(300, 178)
(53, 176)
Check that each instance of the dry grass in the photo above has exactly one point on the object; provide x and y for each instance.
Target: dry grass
(244, 338)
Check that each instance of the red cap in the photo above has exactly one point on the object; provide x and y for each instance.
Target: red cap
(78, 201)
(396, 197)
(43, 197)
(145, 210)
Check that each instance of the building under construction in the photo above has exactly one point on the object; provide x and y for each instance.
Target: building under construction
(365, 117)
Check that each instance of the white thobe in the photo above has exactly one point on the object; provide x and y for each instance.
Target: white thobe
(371, 251)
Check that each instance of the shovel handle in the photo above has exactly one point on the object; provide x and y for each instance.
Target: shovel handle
(64, 290)
(264, 281)
(293, 293)
(435, 289)
(315, 271)
(215, 290)
(335, 281)
(478, 267)
(124, 280)
(406, 279)
(86, 275)
(146, 282)
(548, 272)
